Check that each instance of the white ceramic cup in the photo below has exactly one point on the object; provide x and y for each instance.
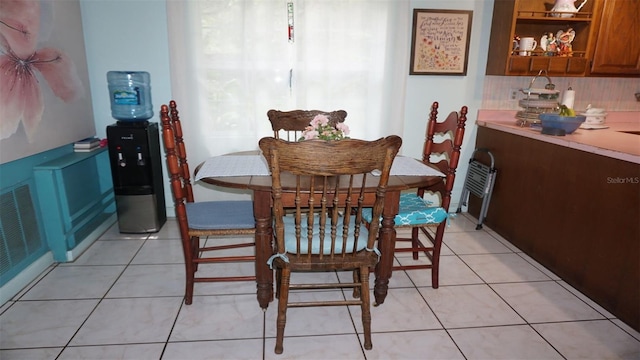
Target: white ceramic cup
(527, 44)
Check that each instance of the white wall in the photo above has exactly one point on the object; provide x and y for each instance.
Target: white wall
(132, 35)
(125, 35)
(451, 92)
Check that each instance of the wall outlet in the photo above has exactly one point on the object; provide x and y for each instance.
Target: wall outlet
(513, 94)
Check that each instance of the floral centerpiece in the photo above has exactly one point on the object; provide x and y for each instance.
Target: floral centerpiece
(319, 128)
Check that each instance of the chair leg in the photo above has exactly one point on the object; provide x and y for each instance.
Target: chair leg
(195, 249)
(415, 242)
(188, 295)
(282, 309)
(278, 282)
(189, 266)
(365, 306)
(356, 278)
(435, 257)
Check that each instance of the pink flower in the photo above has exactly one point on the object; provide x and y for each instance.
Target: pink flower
(319, 128)
(310, 134)
(21, 61)
(343, 127)
(319, 120)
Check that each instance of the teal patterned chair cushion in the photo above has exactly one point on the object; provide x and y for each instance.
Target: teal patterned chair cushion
(414, 210)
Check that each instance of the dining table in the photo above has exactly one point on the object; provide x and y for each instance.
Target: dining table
(249, 170)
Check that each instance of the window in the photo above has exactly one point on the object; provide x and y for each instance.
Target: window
(232, 61)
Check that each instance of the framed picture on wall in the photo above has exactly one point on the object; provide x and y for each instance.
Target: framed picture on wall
(440, 42)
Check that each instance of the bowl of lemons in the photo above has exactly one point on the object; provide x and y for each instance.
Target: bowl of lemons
(562, 123)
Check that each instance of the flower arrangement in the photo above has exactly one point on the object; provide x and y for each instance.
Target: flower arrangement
(319, 128)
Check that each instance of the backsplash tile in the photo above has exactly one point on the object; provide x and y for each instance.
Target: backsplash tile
(613, 94)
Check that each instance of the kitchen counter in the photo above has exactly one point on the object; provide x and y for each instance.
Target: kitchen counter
(571, 203)
(612, 142)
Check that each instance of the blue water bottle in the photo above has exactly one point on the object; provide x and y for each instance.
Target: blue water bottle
(130, 93)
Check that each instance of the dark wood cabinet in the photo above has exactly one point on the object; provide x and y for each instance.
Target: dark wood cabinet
(617, 48)
(573, 211)
(556, 65)
(534, 18)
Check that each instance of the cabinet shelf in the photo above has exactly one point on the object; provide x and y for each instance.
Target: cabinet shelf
(554, 65)
(549, 16)
(534, 18)
(540, 53)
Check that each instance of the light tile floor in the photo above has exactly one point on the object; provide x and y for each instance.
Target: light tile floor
(122, 299)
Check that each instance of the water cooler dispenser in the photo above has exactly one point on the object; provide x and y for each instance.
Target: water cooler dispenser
(134, 153)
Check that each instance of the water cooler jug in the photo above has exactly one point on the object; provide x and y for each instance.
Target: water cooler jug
(134, 154)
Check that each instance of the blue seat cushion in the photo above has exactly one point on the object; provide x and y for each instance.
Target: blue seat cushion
(414, 210)
(290, 236)
(220, 215)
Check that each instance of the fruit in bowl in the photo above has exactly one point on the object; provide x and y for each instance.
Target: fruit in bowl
(566, 111)
(563, 123)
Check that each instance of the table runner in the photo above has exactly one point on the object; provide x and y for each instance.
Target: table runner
(403, 165)
(234, 165)
(256, 165)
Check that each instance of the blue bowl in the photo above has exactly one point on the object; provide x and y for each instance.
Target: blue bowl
(554, 123)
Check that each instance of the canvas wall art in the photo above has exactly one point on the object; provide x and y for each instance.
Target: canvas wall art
(44, 84)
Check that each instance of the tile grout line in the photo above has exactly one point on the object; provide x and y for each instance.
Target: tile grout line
(101, 299)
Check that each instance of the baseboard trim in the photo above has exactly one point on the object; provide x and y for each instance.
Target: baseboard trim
(26, 276)
(74, 253)
(35, 269)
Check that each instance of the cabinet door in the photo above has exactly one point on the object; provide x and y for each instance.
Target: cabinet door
(618, 44)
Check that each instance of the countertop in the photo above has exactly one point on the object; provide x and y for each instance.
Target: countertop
(612, 142)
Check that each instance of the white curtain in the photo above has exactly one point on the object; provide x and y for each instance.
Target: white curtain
(232, 61)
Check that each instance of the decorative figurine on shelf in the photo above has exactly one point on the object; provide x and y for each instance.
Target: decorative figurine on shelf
(516, 43)
(564, 39)
(549, 44)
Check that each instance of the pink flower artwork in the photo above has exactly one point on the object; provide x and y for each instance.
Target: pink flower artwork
(24, 26)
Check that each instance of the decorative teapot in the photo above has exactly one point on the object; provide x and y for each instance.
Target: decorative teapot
(566, 8)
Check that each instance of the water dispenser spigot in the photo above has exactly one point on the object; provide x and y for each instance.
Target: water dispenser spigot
(140, 161)
(121, 161)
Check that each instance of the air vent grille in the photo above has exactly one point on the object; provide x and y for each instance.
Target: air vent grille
(20, 234)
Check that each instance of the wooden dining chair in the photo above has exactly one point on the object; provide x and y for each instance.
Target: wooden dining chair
(288, 125)
(443, 141)
(334, 238)
(214, 220)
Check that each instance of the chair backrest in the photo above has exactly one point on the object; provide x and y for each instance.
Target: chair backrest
(334, 186)
(443, 141)
(177, 165)
(292, 123)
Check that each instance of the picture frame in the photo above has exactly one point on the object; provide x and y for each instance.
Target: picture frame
(440, 42)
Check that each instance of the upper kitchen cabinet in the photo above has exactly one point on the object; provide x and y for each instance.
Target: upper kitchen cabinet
(564, 40)
(617, 48)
